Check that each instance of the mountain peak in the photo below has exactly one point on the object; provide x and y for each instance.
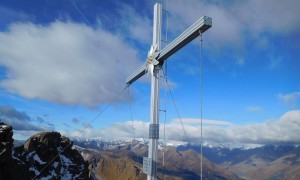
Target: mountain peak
(44, 155)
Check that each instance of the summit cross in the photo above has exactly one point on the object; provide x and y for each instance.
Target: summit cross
(153, 65)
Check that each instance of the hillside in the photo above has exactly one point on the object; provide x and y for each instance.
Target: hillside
(266, 162)
(285, 167)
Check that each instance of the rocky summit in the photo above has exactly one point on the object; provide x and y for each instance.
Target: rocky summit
(6, 145)
(46, 155)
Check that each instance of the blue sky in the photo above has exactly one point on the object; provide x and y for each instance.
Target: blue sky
(62, 62)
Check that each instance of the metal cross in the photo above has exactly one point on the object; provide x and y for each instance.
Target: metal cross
(153, 65)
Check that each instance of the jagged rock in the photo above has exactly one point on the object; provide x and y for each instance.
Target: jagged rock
(66, 143)
(6, 145)
(50, 155)
(41, 140)
(6, 142)
(46, 155)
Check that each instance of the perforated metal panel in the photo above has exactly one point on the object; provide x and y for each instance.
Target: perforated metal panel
(153, 131)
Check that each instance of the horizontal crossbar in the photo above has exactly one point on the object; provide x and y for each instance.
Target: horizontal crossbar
(183, 39)
(187, 36)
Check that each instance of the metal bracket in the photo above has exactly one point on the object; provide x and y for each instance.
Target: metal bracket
(156, 54)
(153, 131)
(152, 59)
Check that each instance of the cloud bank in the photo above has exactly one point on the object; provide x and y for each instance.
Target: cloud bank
(65, 62)
(20, 121)
(232, 20)
(282, 131)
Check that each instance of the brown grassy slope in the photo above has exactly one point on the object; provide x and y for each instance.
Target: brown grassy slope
(286, 167)
(118, 168)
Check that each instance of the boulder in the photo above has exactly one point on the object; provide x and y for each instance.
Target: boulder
(43, 140)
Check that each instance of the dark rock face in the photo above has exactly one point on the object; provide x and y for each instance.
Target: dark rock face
(6, 145)
(44, 155)
(6, 142)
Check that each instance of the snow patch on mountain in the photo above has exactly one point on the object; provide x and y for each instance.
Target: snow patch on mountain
(38, 159)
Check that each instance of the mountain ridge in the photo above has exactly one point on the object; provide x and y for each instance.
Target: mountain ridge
(279, 160)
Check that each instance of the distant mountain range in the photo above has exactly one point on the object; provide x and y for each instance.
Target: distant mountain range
(266, 162)
(125, 162)
(223, 161)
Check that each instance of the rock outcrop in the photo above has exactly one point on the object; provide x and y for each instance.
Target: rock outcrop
(6, 146)
(6, 142)
(46, 155)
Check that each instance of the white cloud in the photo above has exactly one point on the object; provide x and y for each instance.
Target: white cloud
(275, 62)
(240, 61)
(23, 125)
(66, 63)
(282, 131)
(236, 21)
(138, 27)
(290, 99)
(191, 121)
(20, 121)
(254, 109)
(116, 130)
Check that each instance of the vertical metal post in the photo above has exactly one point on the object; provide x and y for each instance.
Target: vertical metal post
(155, 96)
